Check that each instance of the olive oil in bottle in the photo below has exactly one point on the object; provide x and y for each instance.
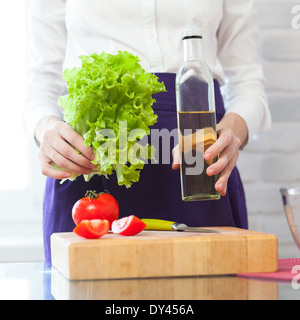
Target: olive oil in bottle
(196, 120)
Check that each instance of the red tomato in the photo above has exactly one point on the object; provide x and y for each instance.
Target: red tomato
(92, 229)
(128, 226)
(96, 206)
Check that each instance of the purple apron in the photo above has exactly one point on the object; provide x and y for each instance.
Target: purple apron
(157, 194)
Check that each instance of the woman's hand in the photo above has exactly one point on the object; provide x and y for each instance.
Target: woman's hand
(232, 133)
(227, 147)
(57, 144)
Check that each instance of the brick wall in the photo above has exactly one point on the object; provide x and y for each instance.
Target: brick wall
(273, 161)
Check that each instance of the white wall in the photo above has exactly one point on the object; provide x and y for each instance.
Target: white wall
(274, 160)
(21, 237)
(21, 184)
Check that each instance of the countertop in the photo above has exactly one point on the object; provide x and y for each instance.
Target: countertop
(40, 281)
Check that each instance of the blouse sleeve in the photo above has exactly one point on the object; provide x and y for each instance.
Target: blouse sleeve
(46, 50)
(244, 89)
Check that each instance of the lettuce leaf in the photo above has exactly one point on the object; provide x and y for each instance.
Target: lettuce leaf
(109, 103)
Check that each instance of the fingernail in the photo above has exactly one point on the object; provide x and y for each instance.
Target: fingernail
(220, 187)
(207, 156)
(67, 175)
(211, 171)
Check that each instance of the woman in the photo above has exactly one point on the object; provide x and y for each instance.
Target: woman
(61, 31)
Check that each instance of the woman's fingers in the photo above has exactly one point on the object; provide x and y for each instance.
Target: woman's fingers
(51, 155)
(224, 158)
(68, 152)
(225, 138)
(50, 172)
(227, 147)
(221, 184)
(65, 163)
(176, 157)
(76, 140)
(58, 145)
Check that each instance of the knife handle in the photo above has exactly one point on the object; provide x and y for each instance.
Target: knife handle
(157, 224)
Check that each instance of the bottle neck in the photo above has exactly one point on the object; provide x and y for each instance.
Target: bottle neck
(192, 49)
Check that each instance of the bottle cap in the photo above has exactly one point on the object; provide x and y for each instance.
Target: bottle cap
(192, 32)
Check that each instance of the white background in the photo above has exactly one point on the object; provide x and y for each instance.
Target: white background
(21, 184)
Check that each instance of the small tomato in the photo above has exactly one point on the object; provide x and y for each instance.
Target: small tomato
(94, 205)
(92, 229)
(128, 226)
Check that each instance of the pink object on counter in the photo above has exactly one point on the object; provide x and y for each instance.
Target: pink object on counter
(287, 270)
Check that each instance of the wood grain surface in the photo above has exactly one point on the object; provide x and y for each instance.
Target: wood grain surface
(164, 254)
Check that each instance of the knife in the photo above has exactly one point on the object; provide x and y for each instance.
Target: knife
(164, 225)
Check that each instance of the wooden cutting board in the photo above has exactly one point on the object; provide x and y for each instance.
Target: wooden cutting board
(164, 254)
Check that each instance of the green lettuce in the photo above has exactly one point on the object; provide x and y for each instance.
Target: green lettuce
(109, 103)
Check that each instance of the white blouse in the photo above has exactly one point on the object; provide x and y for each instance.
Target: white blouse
(59, 31)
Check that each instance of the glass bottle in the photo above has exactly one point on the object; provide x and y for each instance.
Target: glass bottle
(195, 99)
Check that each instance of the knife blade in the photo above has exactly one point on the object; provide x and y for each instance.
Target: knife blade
(164, 225)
